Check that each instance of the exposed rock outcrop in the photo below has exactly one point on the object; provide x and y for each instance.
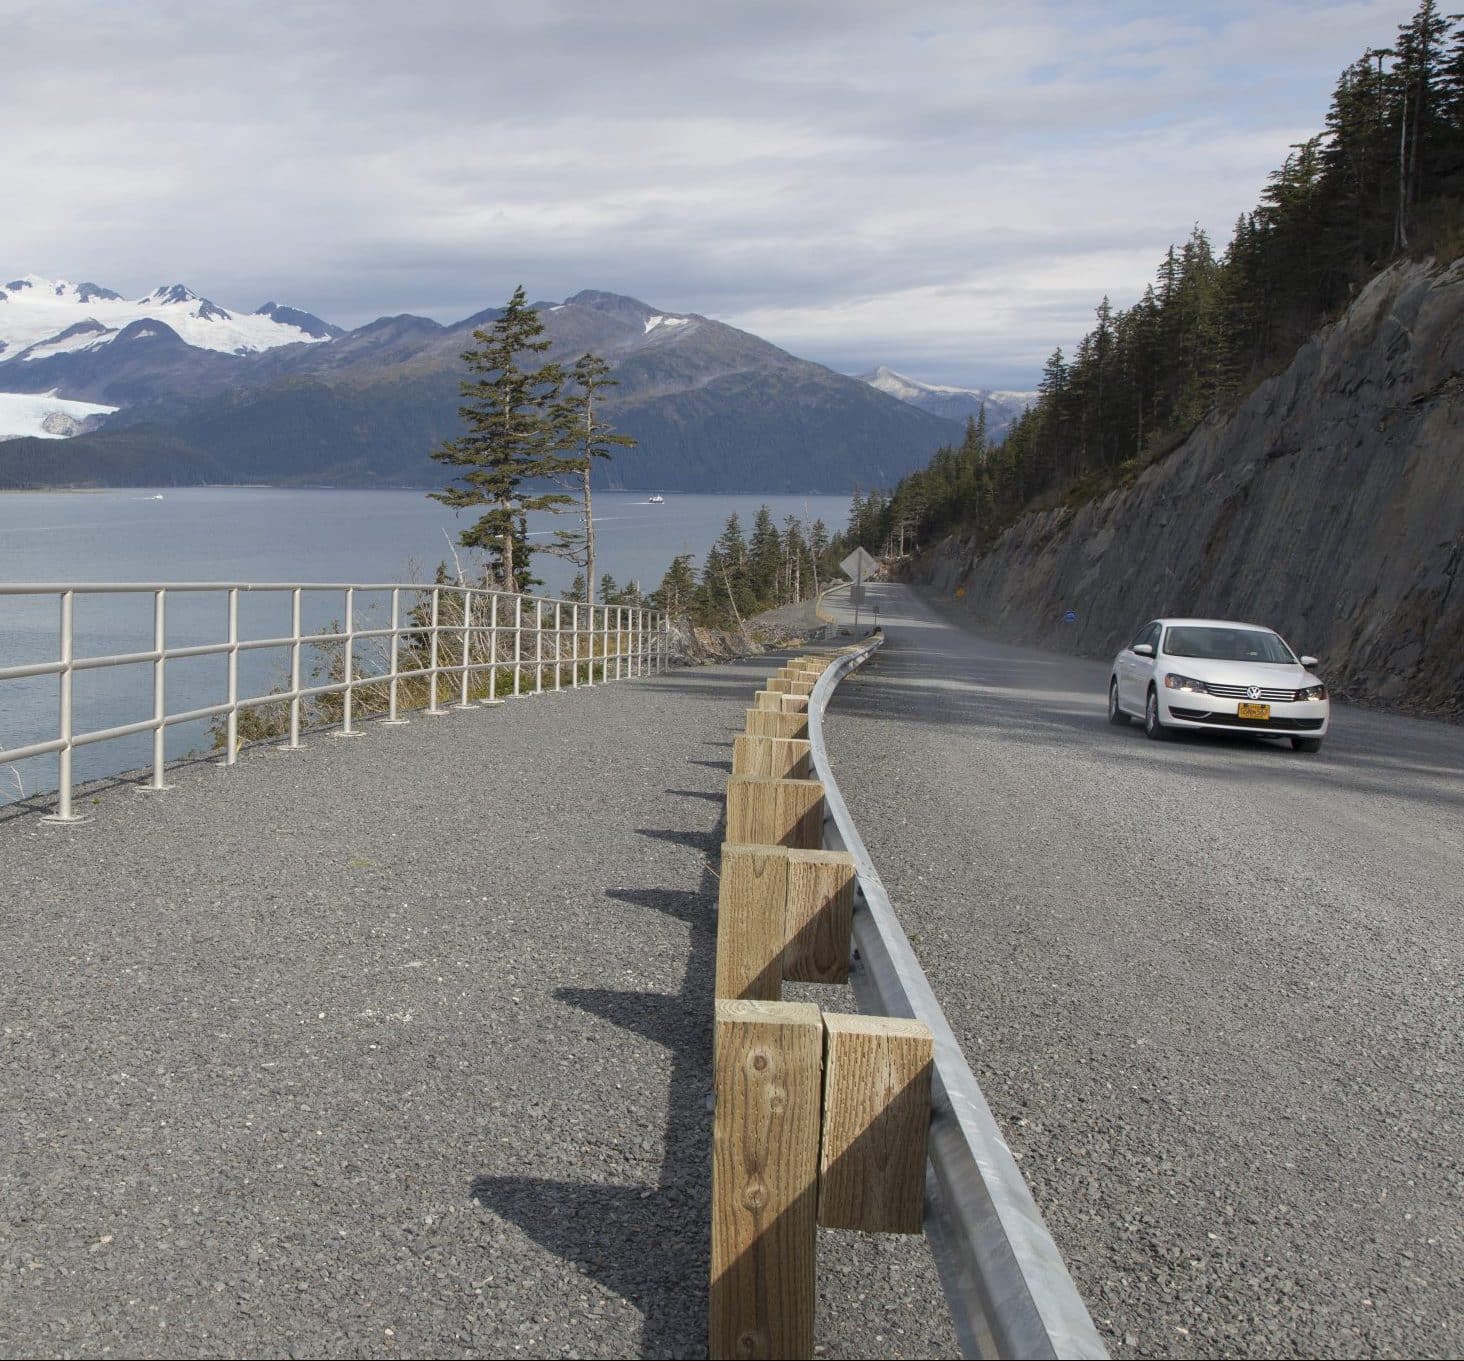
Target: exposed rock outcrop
(1329, 505)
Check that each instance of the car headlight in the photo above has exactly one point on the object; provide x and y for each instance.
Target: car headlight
(1312, 692)
(1174, 681)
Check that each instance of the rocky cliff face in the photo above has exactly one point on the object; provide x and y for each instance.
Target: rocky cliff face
(1329, 506)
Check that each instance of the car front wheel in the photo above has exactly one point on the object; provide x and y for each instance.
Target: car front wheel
(1116, 715)
(1306, 744)
(1153, 726)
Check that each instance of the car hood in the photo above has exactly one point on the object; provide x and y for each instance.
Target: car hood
(1240, 673)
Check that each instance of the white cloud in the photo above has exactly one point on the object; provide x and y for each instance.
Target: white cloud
(811, 167)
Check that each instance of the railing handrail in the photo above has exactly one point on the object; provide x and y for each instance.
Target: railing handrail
(1008, 1289)
(142, 587)
(638, 632)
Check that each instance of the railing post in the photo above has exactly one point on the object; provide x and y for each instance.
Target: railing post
(574, 646)
(493, 650)
(467, 598)
(160, 701)
(64, 728)
(538, 647)
(590, 646)
(231, 754)
(392, 716)
(432, 706)
(558, 648)
(518, 637)
(294, 744)
(619, 639)
(348, 695)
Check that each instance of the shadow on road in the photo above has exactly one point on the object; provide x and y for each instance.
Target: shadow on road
(649, 1244)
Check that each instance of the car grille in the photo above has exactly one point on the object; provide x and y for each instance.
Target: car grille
(1243, 692)
(1234, 721)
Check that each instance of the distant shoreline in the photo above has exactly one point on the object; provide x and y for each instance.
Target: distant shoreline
(325, 486)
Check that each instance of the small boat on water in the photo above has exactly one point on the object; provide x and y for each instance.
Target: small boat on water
(656, 499)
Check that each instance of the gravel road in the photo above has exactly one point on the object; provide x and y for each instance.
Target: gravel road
(1210, 988)
(394, 1046)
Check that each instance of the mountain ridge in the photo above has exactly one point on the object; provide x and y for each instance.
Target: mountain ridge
(952, 403)
(714, 408)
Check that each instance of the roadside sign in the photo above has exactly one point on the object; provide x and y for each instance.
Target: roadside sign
(858, 565)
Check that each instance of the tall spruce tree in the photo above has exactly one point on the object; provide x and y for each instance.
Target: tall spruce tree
(514, 433)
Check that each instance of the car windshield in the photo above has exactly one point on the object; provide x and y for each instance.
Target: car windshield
(1228, 645)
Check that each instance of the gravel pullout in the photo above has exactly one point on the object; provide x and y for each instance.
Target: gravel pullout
(1210, 988)
(394, 1046)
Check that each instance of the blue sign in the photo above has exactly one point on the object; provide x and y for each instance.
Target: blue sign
(1071, 617)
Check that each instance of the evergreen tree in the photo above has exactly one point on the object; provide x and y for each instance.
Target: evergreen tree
(513, 434)
(677, 591)
(764, 558)
(589, 437)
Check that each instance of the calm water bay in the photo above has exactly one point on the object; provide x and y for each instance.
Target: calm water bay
(260, 535)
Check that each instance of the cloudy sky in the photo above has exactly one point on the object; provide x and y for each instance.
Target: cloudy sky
(946, 186)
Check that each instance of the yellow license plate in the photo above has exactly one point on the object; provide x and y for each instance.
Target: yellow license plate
(1254, 711)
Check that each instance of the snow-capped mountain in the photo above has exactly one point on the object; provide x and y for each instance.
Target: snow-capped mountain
(172, 387)
(953, 403)
(41, 318)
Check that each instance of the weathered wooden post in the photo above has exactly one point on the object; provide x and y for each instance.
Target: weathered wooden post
(752, 922)
(767, 812)
(762, 723)
(876, 1118)
(767, 1061)
(819, 918)
(784, 758)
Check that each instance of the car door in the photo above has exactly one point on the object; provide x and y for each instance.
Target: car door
(1134, 671)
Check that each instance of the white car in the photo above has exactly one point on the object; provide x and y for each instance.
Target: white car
(1212, 673)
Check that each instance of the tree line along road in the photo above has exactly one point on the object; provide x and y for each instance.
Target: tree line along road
(1210, 987)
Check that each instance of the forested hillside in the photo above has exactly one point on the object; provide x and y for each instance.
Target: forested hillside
(1382, 181)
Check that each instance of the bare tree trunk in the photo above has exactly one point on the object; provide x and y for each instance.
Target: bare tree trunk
(1400, 234)
(731, 599)
(510, 582)
(589, 536)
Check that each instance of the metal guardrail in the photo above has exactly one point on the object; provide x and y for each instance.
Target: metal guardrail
(1009, 1291)
(488, 631)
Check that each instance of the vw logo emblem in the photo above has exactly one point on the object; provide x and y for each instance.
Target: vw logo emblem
(1253, 692)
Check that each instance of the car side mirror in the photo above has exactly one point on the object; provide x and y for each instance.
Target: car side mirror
(1143, 649)
(1310, 661)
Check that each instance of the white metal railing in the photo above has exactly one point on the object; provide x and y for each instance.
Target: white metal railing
(1005, 1281)
(468, 631)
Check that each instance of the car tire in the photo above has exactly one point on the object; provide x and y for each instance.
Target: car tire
(1306, 744)
(1154, 728)
(1116, 716)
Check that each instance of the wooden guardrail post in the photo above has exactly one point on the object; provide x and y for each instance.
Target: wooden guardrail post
(783, 758)
(819, 918)
(769, 812)
(764, 723)
(876, 1117)
(752, 917)
(767, 1060)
